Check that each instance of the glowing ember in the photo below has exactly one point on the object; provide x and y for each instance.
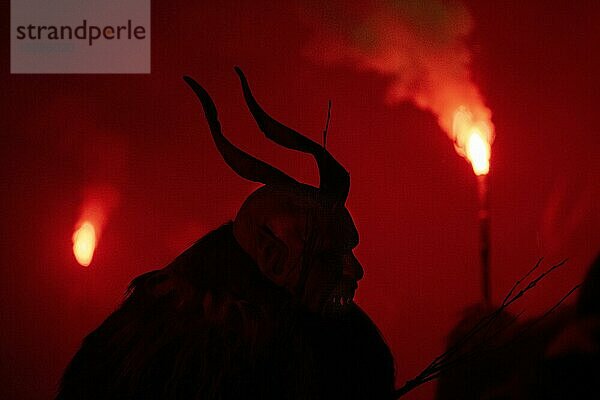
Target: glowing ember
(473, 140)
(84, 243)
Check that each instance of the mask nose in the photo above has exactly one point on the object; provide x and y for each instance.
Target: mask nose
(352, 268)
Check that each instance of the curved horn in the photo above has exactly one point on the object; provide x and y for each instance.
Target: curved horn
(242, 163)
(334, 179)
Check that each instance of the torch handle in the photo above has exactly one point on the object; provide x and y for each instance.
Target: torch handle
(484, 233)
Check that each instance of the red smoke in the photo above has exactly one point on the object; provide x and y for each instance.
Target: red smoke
(421, 46)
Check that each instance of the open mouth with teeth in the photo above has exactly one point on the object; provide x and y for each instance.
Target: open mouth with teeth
(341, 297)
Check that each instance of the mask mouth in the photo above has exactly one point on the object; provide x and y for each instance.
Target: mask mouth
(341, 297)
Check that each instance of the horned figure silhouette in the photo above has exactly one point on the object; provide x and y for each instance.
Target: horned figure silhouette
(259, 308)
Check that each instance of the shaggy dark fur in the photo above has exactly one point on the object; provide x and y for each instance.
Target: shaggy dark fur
(211, 326)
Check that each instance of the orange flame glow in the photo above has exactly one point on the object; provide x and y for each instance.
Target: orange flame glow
(473, 140)
(99, 201)
(84, 243)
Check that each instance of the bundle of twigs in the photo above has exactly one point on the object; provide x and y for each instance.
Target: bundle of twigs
(477, 340)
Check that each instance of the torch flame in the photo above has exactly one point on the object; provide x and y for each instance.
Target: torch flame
(84, 243)
(472, 140)
(478, 152)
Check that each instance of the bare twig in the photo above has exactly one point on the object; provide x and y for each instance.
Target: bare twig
(518, 282)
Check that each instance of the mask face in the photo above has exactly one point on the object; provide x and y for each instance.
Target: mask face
(304, 244)
(300, 236)
(333, 270)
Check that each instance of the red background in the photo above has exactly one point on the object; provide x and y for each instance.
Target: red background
(413, 198)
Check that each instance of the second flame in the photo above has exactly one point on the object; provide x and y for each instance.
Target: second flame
(84, 243)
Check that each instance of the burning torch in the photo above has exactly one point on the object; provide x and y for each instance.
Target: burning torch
(473, 140)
